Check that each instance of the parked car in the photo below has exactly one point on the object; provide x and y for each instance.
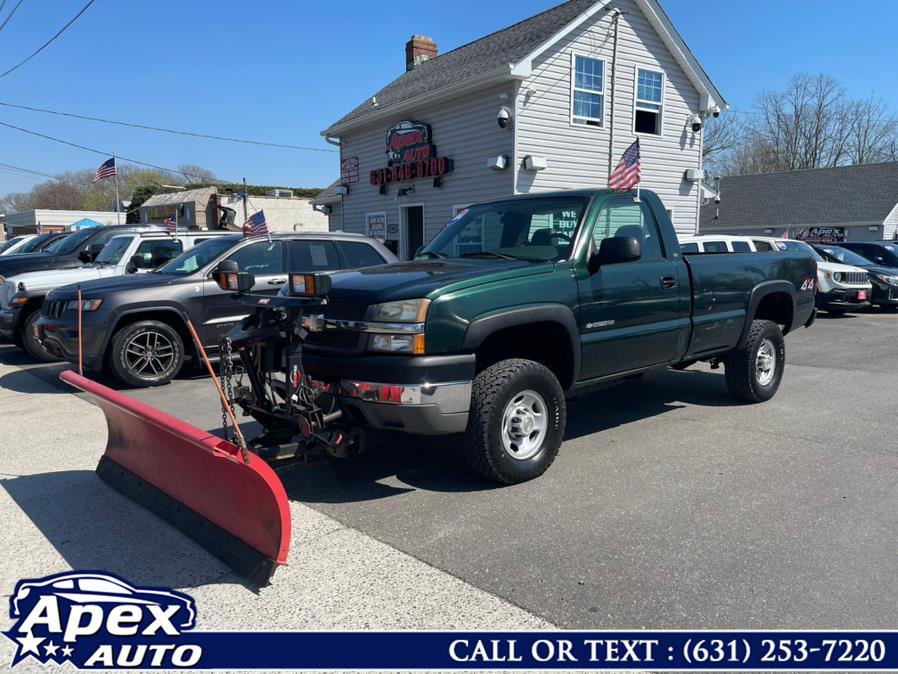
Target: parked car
(883, 253)
(883, 278)
(505, 313)
(716, 243)
(38, 242)
(136, 324)
(840, 288)
(11, 244)
(78, 248)
(131, 252)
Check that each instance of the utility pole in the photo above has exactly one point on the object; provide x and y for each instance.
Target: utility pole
(245, 216)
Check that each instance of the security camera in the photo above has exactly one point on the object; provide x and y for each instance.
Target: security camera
(504, 117)
(717, 199)
(696, 123)
(715, 111)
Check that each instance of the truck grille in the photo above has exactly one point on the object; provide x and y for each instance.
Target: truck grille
(54, 308)
(855, 278)
(345, 310)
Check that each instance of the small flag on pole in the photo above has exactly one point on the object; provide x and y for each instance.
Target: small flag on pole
(106, 170)
(785, 235)
(171, 223)
(256, 225)
(628, 172)
(39, 229)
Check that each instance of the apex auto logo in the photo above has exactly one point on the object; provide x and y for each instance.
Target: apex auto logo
(98, 620)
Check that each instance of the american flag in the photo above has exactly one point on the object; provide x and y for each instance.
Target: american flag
(628, 172)
(106, 170)
(171, 224)
(785, 235)
(39, 229)
(256, 225)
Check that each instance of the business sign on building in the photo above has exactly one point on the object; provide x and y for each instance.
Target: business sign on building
(411, 155)
(822, 234)
(349, 170)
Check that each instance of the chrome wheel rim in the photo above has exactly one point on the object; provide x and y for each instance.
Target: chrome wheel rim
(765, 363)
(149, 354)
(525, 422)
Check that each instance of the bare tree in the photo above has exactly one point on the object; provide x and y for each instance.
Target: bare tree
(722, 136)
(873, 135)
(196, 174)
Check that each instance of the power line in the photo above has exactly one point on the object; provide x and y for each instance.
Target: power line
(9, 16)
(20, 168)
(48, 42)
(164, 130)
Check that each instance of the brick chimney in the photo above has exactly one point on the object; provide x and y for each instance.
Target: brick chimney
(419, 49)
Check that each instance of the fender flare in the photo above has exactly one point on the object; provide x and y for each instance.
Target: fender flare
(481, 328)
(116, 319)
(758, 293)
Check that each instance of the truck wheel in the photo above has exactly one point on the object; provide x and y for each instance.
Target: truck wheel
(516, 422)
(28, 342)
(754, 372)
(146, 353)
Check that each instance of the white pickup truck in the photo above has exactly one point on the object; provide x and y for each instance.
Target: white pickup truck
(132, 252)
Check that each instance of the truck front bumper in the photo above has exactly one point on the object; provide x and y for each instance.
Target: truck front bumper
(423, 395)
(60, 337)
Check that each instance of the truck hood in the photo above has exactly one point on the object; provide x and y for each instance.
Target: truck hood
(427, 278)
(11, 264)
(53, 278)
(835, 266)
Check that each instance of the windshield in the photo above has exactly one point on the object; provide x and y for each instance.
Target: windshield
(843, 255)
(799, 247)
(199, 256)
(6, 245)
(34, 244)
(114, 250)
(55, 245)
(74, 241)
(536, 230)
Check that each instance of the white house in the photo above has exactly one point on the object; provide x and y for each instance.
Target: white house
(549, 103)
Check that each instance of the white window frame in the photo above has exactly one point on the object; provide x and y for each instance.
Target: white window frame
(602, 93)
(636, 107)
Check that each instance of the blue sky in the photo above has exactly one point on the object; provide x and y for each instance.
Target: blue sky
(281, 71)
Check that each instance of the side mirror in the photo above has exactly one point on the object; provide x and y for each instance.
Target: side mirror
(84, 256)
(615, 250)
(133, 264)
(231, 279)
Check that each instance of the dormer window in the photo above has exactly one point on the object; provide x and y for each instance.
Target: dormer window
(649, 102)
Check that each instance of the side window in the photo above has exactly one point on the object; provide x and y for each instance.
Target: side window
(741, 247)
(624, 217)
(716, 247)
(157, 252)
(313, 256)
(690, 247)
(360, 254)
(762, 246)
(260, 258)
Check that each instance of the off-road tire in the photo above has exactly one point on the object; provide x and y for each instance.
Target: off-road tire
(120, 365)
(741, 372)
(493, 389)
(26, 338)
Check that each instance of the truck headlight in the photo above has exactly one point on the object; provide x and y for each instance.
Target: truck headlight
(86, 305)
(18, 300)
(891, 280)
(403, 311)
(412, 343)
(837, 277)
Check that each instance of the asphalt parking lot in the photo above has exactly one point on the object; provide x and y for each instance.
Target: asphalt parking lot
(670, 505)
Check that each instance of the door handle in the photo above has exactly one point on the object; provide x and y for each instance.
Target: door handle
(277, 281)
(668, 282)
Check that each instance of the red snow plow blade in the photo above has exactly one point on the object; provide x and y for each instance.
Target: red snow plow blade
(196, 481)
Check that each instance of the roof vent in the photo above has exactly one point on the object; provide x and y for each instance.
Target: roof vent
(419, 49)
(280, 194)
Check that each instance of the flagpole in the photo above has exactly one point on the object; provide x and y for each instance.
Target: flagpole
(639, 184)
(118, 214)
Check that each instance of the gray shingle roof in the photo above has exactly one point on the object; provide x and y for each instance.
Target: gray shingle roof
(831, 196)
(327, 194)
(483, 56)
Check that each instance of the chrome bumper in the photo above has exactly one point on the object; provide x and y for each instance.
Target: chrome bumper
(426, 409)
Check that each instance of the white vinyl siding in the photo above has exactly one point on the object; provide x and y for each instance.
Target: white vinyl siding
(648, 111)
(587, 90)
(578, 156)
(890, 225)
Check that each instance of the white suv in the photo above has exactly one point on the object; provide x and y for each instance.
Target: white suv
(716, 243)
(840, 287)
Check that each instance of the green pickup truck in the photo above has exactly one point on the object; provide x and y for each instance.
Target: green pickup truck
(518, 304)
